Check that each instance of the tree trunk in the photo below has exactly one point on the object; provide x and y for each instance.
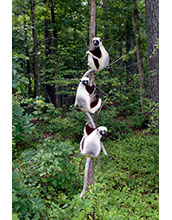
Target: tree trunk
(139, 57)
(35, 51)
(49, 89)
(92, 34)
(26, 49)
(152, 34)
(54, 43)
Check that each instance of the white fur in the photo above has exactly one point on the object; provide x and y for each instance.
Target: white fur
(103, 60)
(83, 98)
(92, 144)
(85, 135)
(82, 94)
(91, 148)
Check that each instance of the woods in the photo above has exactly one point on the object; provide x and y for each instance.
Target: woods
(50, 40)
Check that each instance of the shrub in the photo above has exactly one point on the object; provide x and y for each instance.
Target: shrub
(41, 176)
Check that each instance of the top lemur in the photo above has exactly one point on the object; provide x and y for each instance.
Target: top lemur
(98, 58)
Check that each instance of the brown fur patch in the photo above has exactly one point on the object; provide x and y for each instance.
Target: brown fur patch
(88, 129)
(96, 52)
(94, 103)
(90, 89)
(96, 63)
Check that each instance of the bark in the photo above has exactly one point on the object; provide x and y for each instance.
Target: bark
(49, 90)
(26, 49)
(152, 34)
(54, 51)
(139, 57)
(35, 51)
(92, 34)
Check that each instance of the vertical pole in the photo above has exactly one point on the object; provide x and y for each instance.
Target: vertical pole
(92, 34)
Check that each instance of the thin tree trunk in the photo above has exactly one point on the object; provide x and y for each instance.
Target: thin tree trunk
(26, 49)
(139, 57)
(54, 42)
(92, 34)
(35, 51)
(49, 89)
(152, 34)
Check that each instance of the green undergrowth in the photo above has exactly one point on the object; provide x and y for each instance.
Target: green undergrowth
(47, 181)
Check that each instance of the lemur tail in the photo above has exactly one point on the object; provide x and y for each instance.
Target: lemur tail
(85, 176)
(87, 73)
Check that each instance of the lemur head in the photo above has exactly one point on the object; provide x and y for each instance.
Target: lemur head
(85, 80)
(102, 130)
(97, 42)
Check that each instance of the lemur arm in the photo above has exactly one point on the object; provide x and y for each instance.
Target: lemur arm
(89, 53)
(103, 149)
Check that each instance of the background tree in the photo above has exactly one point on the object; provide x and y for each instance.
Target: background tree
(26, 49)
(152, 33)
(139, 57)
(35, 51)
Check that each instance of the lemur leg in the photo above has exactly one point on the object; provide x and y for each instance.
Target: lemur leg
(103, 149)
(99, 162)
(85, 177)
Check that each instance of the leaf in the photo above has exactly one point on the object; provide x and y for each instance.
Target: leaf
(15, 217)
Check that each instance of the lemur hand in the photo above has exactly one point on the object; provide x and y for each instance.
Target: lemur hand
(88, 52)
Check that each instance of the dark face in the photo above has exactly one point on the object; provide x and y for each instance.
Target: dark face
(96, 43)
(102, 132)
(85, 82)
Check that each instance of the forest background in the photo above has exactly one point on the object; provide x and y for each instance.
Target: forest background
(130, 127)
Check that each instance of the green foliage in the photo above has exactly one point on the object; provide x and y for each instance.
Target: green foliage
(15, 217)
(19, 82)
(47, 181)
(40, 176)
(152, 109)
(21, 123)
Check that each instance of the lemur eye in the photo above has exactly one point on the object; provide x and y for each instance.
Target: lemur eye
(100, 39)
